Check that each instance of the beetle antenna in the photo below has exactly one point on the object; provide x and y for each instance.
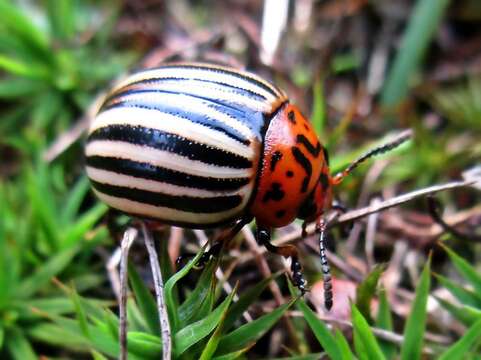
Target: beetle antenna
(394, 143)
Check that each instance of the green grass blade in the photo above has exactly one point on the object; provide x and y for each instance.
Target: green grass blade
(249, 333)
(84, 224)
(144, 345)
(40, 196)
(468, 315)
(343, 345)
(211, 346)
(366, 291)
(145, 301)
(416, 322)
(465, 269)
(320, 330)
(97, 356)
(423, 23)
(170, 301)
(61, 14)
(57, 336)
(8, 279)
(318, 116)
(384, 321)
(247, 298)
(461, 347)
(191, 307)
(313, 356)
(464, 296)
(74, 200)
(56, 306)
(43, 275)
(80, 314)
(19, 68)
(233, 355)
(195, 332)
(18, 346)
(384, 317)
(365, 343)
(20, 26)
(13, 88)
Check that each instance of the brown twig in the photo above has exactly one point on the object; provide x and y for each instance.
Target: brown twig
(129, 237)
(159, 293)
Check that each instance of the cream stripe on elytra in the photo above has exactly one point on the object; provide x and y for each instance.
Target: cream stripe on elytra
(144, 154)
(186, 103)
(202, 74)
(251, 76)
(196, 106)
(210, 90)
(233, 72)
(157, 120)
(134, 207)
(114, 178)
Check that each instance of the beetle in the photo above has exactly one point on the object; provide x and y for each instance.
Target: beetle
(199, 145)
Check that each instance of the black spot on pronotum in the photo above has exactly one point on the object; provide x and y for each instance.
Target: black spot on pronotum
(275, 159)
(289, 173)
(306, 165)
(275, 193)
(313, 150)
(291, 116)
(324, 180)
(280, 214)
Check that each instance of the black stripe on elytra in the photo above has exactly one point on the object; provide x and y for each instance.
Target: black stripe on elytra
(150, 172)
(306, 164)
(228, 72)
(276, 157)
(172, 143)
(204, 119)
(209, 205)
(314, 151)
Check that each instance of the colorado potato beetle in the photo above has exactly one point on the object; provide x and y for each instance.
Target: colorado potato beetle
(199, 146)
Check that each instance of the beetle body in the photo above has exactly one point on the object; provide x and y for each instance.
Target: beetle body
(199, 145)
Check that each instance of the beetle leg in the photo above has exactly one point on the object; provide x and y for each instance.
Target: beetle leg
(326, 270)
(222, 241)
(263, 236)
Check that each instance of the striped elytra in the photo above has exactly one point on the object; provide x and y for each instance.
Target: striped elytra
(200, 145)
